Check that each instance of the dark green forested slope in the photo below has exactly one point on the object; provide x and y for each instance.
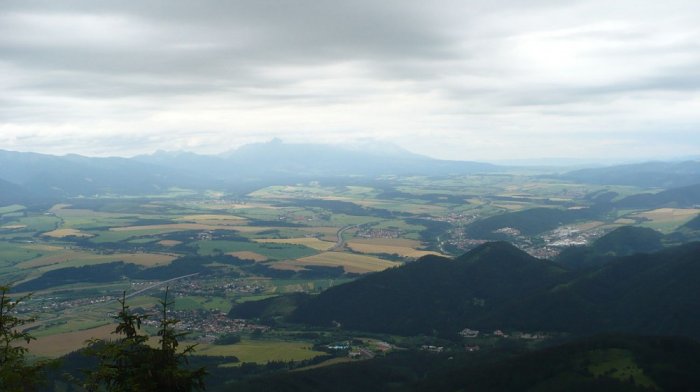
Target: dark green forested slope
(499, 286)
(687, 196)
(605, 363)
(433, 293)
(623, 241)
(532, 221)
(654, 293)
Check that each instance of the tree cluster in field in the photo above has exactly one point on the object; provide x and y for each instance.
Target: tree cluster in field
(126, 363)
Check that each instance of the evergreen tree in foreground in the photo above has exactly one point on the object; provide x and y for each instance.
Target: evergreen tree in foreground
(16, 374)
(129, 363)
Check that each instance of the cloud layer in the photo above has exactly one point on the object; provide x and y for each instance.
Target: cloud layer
(482, 80)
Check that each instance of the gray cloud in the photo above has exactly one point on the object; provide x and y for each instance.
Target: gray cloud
(472, 80)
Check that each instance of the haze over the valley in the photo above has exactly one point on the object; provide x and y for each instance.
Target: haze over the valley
(477, 80)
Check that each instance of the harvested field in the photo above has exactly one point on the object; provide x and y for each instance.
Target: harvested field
(669, 214)
(262, 351)
(60, 344)
(351, 262)
(625, 221)
(73, 258)
(169, 242)
(311, 242)
(13, 227)
(389, 249)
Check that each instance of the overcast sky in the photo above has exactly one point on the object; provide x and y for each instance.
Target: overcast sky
(472, 80)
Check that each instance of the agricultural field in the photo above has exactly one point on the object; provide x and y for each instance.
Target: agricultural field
(214, 250)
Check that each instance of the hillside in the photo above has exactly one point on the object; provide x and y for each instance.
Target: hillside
(646, 175)
(11, 193)
(74, 175)
(623, 241)
(528, 222)
(687, 196)
(653, 293)
(433, 293)
(604, 363)
(496, 286)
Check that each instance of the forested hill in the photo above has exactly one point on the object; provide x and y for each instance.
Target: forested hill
(623, 241)
(11, 193)
(497, 286)
(656, 293)
(433, 293)
(687, 196)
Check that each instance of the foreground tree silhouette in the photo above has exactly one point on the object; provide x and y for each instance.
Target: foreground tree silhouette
(130, 364)
(16, 374)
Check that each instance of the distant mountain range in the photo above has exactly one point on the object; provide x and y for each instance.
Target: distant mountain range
(497, 286)
(26, 175)
(647, 175)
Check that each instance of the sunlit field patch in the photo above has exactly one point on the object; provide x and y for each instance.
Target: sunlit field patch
(350, 262)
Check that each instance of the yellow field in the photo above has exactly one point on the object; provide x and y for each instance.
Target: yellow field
(625, 221)
(669, 214)
(589, 225)
(399, 250)
(44, 247)
(248, 255)
(61, 233)
(64, 343)
(59, 260)
(262, 351)
(311, 242)
(169, 242)
(13, 227)
(351, 262)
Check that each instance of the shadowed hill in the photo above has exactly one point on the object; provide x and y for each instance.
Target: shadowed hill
(603, 363)
(623, 241)
(653, 293)
(687, 196)
(496, 286)
(433, 293)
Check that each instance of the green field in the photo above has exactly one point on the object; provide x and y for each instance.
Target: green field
(272, 251)
(262, 351)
